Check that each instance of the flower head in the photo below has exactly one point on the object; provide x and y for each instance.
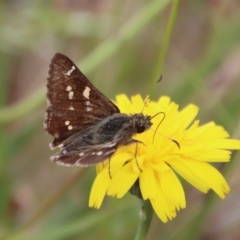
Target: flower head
(174, 145)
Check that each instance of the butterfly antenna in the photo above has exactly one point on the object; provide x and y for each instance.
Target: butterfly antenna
(155, 131)
(173, 140)
(147, 99)
(164, 115)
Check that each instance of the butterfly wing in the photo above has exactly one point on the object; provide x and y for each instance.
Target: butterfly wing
(97, 143)
(86, 157)
(73, 103)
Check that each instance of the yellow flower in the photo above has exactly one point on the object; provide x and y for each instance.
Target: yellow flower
(159, 160)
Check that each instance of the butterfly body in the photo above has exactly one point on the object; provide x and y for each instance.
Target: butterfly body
(85, 124)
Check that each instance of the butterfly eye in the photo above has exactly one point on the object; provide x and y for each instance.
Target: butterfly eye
(140, 128)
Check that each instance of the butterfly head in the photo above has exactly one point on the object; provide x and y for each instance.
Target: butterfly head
(141, 122)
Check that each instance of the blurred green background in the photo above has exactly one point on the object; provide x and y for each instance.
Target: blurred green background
(117, 44)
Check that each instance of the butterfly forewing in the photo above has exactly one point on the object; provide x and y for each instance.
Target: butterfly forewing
(74, 104)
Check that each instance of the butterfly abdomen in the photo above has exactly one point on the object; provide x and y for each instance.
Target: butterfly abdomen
(110, 129)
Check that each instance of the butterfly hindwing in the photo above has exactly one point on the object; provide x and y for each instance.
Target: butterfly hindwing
(86, 157)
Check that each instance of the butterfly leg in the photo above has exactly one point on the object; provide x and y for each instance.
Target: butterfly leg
(131, 141)
(109, 168)
(135, 154)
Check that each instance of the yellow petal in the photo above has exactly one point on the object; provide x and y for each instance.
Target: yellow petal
(99, 189)
(203, 176)
(180, 166)
(186, 116)
(147, 183)
(172, 189)
(225, 144)
(124, 103)
(161, 205)
(122, 181)
(138, 102)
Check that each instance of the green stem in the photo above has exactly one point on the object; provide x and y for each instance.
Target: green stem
(166, 41)
(146, 215)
